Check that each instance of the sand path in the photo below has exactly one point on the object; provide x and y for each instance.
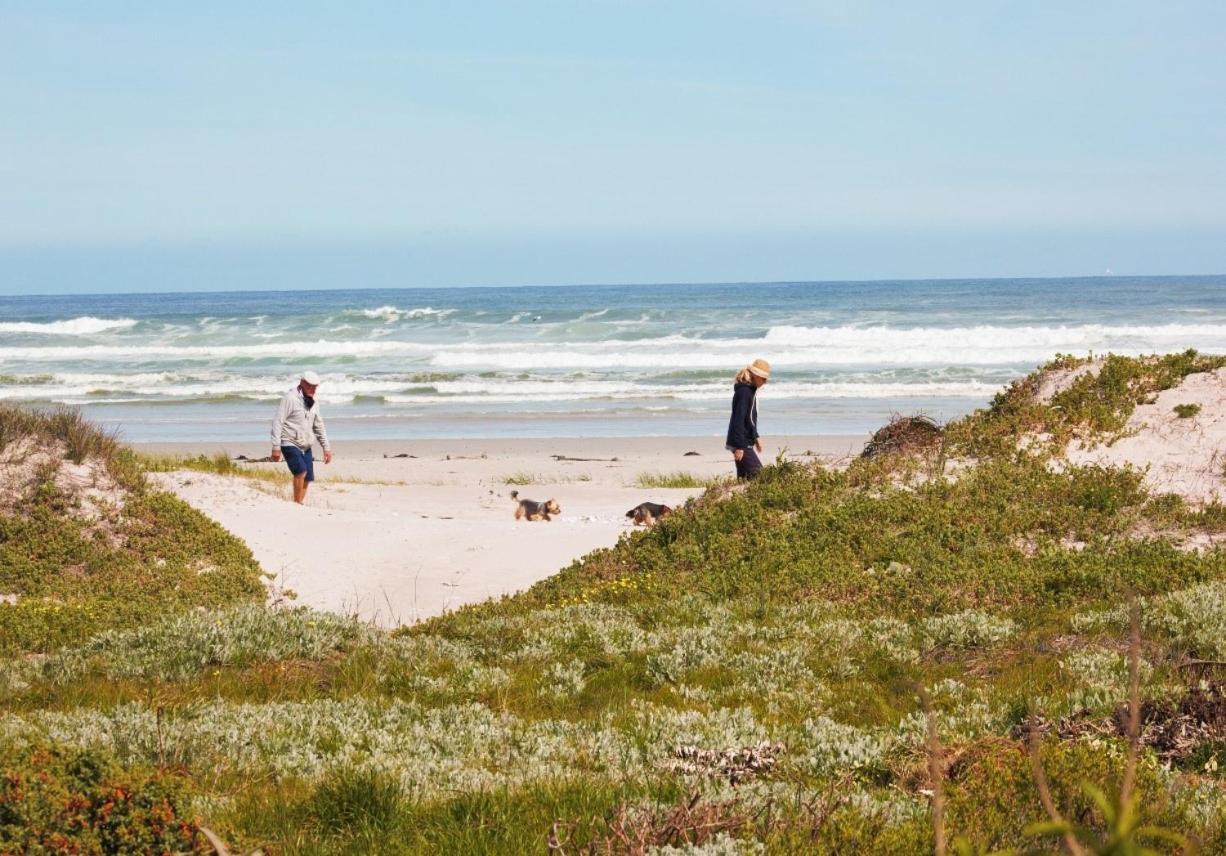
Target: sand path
(439, 532)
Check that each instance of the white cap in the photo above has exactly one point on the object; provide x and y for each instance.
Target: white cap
(311, 378)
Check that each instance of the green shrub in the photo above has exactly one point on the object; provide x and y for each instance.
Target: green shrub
(74, 577)
(1186, 411)
(58, 801)
(1107, 491)
(181, 645)
(808, 533)
(993, 798)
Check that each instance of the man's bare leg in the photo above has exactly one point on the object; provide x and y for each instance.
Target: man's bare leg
(300, 486)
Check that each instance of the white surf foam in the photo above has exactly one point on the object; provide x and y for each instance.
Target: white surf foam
(395, 313)
(83, 326)
(784, 346)
(511, 394)
(73, 388)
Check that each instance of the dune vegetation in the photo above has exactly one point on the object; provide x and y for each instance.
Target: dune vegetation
(965, 643)
(678, 479)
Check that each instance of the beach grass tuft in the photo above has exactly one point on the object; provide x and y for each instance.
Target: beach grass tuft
(16, 424)
(353, 802)
(522, 477)
(677, 479)
(219, 463)
(63, 427)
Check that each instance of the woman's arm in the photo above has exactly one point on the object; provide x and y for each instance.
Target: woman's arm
(739, 436)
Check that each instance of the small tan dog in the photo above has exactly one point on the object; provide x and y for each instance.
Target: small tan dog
(647, 513)
(532, 510)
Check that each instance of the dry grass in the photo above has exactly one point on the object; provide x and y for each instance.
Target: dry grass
(80, 439)
(639, 830)
(523, 477)
(675, 480)
(57, 456)
(15, 424)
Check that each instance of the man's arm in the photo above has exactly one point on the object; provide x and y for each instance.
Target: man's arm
(321, 433)
(278, 423)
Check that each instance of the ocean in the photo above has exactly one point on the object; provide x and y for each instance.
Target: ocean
(576, 361)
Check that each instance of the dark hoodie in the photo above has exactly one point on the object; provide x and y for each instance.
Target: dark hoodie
(743, 426)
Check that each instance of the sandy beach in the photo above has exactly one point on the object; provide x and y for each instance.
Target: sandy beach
(398, 539)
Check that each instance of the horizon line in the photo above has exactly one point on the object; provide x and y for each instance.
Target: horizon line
(640, 284)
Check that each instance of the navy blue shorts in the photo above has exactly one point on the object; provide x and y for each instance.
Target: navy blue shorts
(299, 462)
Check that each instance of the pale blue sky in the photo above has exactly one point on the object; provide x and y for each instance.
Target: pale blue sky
(149, 146)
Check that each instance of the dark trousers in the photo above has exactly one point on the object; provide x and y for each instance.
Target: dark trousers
(749, 465)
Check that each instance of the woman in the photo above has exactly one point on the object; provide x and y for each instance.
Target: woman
(743, 426)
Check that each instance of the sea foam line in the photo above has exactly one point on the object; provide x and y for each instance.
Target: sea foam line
(83, 326)
(782, 345)
(394, 313)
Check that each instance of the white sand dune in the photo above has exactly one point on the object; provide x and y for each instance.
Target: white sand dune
(1183, 455)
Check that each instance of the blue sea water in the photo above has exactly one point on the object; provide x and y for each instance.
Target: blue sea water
(577, 361)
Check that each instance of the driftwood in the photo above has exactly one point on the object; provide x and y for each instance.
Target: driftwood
(565, 458)
(219, 846)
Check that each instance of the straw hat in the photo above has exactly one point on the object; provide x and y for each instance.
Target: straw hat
(761, 368)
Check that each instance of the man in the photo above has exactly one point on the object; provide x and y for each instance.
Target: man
(294, 428)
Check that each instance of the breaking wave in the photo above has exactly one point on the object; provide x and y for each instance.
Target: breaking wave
(395, 313)
(84, 326)
(844, 353)
(783, 346)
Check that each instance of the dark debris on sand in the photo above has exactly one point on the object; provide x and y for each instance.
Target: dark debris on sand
(904, 435)
(1173, 728)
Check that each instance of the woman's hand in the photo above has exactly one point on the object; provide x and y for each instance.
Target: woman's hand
(738, 454)
(757, 444)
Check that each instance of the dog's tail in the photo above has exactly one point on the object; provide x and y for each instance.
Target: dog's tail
(514, 495)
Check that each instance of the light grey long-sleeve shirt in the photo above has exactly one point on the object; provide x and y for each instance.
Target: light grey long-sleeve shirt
(295, 425)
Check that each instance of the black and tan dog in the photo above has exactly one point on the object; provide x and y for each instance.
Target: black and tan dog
(647, 513)
(532, 510)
